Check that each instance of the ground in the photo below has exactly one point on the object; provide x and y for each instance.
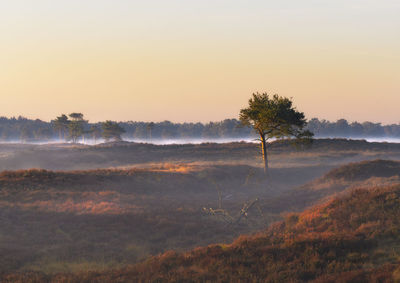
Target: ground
(69, 216)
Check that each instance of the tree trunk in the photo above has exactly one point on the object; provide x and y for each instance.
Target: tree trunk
(264, 153)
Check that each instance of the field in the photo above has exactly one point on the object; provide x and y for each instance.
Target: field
(106, 207)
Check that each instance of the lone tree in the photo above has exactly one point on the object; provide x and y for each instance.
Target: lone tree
(112, 131)
(274, 117)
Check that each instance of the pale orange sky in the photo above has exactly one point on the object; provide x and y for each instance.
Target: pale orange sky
(199, 60)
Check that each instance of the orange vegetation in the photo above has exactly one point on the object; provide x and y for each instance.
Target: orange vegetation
(354, 238)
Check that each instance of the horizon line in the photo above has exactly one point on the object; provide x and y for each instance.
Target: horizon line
(188, 122)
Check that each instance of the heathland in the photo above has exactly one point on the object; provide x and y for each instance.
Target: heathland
(99, 213)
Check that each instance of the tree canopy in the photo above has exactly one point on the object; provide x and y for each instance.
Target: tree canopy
(61, 125)
(112, 131)
(76, 126)
(273, 117)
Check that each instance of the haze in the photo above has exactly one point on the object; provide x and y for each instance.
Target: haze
(198, 60)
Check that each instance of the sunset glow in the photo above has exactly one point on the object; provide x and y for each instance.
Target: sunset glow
(198, 60)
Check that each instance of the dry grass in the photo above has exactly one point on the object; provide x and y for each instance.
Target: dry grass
(354, 238)
(150, 200)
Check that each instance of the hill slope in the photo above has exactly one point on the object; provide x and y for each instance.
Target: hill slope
(351, 235)
(364, 170)
(355, 238)
(337, 181)
(56, 221)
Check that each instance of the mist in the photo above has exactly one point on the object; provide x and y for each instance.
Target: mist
(183, 141)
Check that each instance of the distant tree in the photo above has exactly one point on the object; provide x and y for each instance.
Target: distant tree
(356, 129)
(211, 130)
(43, 134)
(227, 128)
(169, 129)
(112, 131)
(5, 134)
(95, 132)
(150, 127)
(191, 130)
(373, 129)
(392, 130)
(273, 117)
(140, 131)
(76, 116)
(26, 134)
(61, 125)
(342, 127)
(76, 126)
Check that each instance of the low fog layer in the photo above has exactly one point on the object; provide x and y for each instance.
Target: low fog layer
(182, 141)
(230, 140)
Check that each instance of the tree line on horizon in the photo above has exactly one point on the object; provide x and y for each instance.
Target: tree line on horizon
(75, 128)
(70, 128)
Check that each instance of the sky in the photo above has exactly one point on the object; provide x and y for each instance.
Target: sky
(186, 60)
